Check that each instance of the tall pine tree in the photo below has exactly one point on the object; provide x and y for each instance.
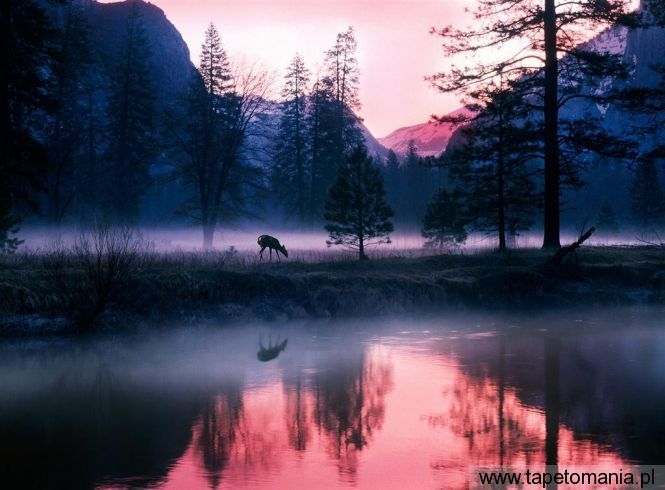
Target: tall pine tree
(342, 80)
(131, 116)
(71, 83)
(291, 163)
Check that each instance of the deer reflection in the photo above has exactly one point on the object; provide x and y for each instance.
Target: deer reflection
(269, 353)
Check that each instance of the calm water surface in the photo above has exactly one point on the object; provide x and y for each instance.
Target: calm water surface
(394, 403)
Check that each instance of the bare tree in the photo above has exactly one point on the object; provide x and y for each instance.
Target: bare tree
(220, 119)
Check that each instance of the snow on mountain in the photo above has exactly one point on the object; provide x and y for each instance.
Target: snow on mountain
(430, 138)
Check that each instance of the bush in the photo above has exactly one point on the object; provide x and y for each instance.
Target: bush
(89, 275)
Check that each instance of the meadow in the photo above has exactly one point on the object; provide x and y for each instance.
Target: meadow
(116, 280)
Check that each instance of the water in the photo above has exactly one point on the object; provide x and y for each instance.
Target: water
(360, 404)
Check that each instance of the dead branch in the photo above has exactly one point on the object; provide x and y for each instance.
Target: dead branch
(558, 257)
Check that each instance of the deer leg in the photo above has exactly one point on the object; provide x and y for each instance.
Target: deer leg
(261, 254)
(270, 253)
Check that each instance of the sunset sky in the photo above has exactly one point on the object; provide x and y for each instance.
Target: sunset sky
(395, 50)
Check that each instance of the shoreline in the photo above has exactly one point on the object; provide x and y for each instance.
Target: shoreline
(171, 290)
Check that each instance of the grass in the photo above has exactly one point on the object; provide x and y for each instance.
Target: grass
(58, 288)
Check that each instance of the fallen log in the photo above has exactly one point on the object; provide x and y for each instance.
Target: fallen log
(558, 257)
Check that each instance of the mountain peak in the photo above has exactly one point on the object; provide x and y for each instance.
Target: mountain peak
(429, 137)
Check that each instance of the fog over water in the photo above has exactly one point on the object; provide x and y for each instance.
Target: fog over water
(377, 403)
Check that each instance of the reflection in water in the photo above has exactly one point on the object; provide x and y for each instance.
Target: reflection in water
(215, 432)
(194, 409)
(552, 403)
(270, 352)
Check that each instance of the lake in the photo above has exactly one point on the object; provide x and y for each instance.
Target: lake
(382, 403)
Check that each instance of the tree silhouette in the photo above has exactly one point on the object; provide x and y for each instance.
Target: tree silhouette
(647, 202)
(607, 219)
(26, 59)
(356, 211)
(489, 162)
(291, 163)
(443, 223)
(548, 37)
(131, 121)
(218, 116)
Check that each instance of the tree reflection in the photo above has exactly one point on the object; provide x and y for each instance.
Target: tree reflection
(216, 434)
(86, 423)
(297, 420)
(552, 352)
(350, 405)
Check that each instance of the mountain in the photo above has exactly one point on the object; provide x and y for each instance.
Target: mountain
(430, 138)
(171, 67)
(374, 147)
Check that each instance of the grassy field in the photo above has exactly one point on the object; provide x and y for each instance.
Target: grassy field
(82, 290)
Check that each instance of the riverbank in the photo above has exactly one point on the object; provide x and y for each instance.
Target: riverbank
(39, 295)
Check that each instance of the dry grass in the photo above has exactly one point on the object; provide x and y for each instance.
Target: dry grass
(91, 280)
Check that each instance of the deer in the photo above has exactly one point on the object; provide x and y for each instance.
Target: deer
(269, 353)
(271, 243)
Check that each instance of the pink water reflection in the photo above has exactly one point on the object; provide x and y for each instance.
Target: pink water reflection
(398, 418)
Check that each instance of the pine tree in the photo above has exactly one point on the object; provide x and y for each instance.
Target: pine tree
(443, 223)
(26, 58)
(291, 174)
(214, 66)
(607, 220)
(356, 210)
(490, 167)
(132, 121)
(647, 202)
(419, 184)
(319, 156)
(70, 85)
(333, 126)
(542, 35)
(341, 82)
(342, 74)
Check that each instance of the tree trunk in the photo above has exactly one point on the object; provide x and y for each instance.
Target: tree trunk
(551, 217)
(208, 234)
(501, 187)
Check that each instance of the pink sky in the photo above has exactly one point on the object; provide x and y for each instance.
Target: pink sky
(395, 50)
